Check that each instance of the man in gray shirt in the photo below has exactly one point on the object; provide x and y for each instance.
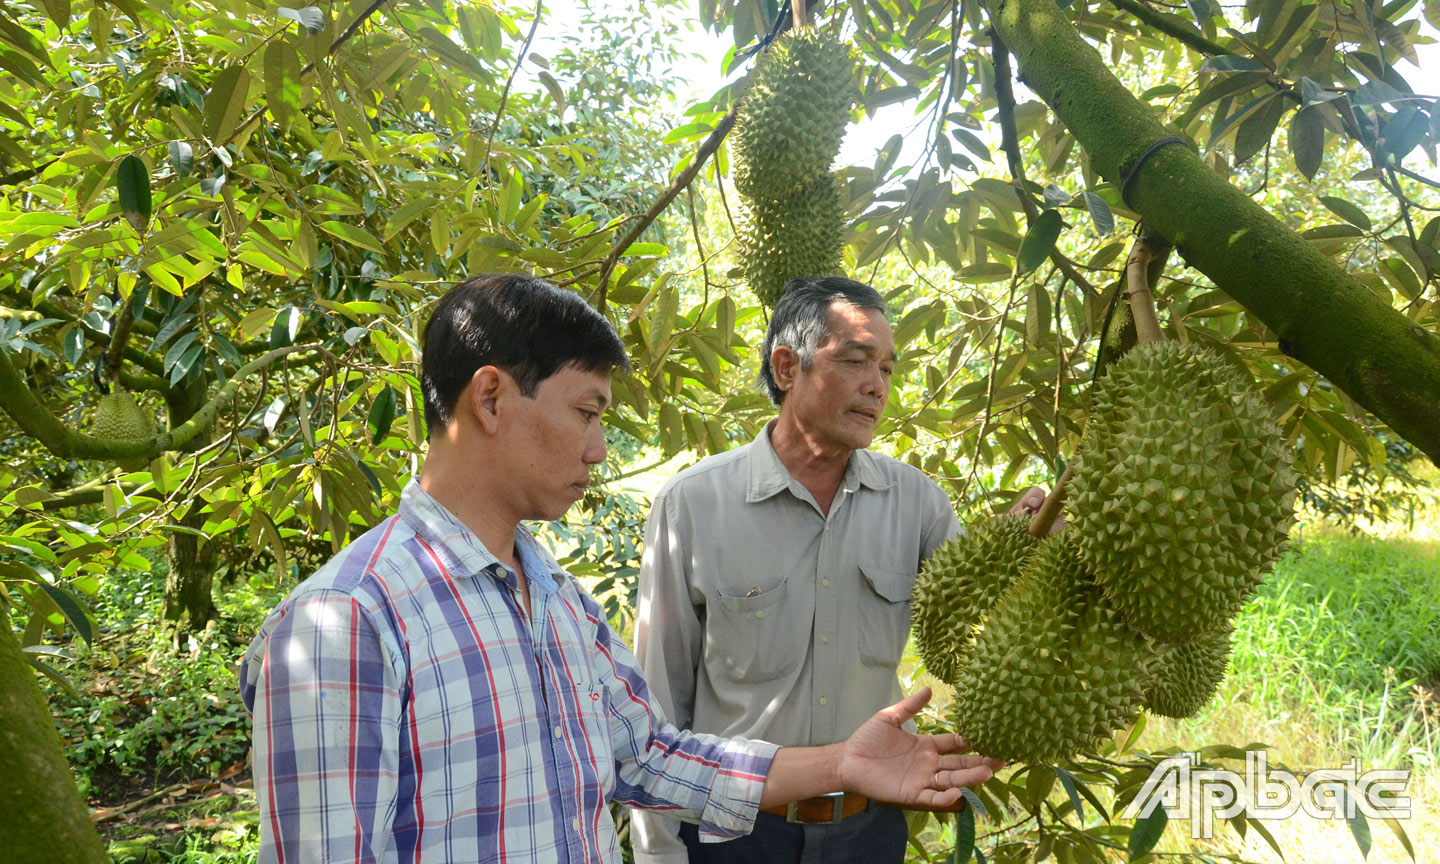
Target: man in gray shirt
(775, 583)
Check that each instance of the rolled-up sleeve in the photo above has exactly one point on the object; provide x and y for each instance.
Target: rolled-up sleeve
(714, 781)
(324, 690)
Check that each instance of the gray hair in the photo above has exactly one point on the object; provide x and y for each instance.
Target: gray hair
(801, 320)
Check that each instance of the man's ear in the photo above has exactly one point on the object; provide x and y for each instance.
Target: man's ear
(487, 386)
(784, 366)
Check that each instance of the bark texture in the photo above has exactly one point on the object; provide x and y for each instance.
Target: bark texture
(1322, 317)
(42, 819)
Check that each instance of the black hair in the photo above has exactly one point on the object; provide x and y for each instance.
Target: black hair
(518, 323)
(801, 320)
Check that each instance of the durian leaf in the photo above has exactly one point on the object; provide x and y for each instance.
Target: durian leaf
(54, 675)
(1038, 785)
(1070, 783)
(974, 802)
(70, 607)
(1347, 211)
(1359, 826)
(1146, 833)
(1307, 141)
(382, 414)
(964, 837)
(1100, 214)
(1394, 825)
(132, 179)
(1038, 242)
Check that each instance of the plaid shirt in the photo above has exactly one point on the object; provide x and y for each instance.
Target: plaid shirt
(407, 710)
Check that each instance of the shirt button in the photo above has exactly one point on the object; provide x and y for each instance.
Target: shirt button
(575, 824)
(824, 583)
(559, 733)
(760, 613)
(824, 701)
(824, 640)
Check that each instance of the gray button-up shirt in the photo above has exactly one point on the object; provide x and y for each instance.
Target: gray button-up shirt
(762, 617)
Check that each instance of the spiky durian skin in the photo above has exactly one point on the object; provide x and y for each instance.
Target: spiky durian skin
(1054, 669)
(1185, 677)
(119, 416)
(800, 235)
(1183, 492)
(793, 114)
(959, 583)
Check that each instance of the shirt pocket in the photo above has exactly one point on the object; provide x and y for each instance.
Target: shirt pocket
(595, 720)
(753, 636)
(884, 614)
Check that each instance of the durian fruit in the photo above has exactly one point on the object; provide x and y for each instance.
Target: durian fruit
(799, 235)
(793, 114)
(119, 416)
(1054, 669)
(959, 583)
(1186, 676)
(1183, 492)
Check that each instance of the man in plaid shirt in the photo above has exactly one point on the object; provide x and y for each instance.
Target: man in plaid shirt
(443, 691)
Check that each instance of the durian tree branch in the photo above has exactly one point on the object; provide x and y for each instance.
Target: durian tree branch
(1321, 315)
(1171, 25)
(36, 420)
(683, 180)
(1045, 517)
(50, 309)
(1010, 143)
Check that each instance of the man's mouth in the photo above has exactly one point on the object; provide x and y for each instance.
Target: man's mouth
(869, 415)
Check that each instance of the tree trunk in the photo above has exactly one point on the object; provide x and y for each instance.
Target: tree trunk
(189, 605)
(42, 819)
(1322, 317)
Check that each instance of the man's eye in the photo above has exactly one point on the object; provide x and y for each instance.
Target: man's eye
(589, 415)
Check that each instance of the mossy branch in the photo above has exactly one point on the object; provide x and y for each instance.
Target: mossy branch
(1320, 314)
(37, 421)
(1170, 25)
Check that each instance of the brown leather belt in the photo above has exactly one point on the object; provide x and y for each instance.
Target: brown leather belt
(822, 809)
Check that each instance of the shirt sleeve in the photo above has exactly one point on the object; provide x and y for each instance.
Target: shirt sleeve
(701, 778)
(941, 525)
(668, 637)
(325, 698)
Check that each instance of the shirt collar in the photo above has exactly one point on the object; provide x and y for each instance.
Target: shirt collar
(462, 552)
(767, 475)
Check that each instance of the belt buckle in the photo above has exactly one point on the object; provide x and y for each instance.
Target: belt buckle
(837, 811)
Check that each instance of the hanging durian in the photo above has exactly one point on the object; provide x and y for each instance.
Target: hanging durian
(959, 583)
(800, 235)
(1185, 677)
(119, 416)
(1183, 494)
(793, 114)
(1054, 670)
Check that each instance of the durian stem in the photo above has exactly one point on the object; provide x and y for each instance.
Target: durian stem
(1046, 515)
(119, 338)
(1140, 275)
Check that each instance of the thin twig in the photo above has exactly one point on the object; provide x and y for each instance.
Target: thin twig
(505, 94)
(707, 149)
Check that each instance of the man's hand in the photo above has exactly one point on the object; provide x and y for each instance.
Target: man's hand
(1029, 505)
(885, 762)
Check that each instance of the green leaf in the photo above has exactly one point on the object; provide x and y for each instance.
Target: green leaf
(964, 837)
(1146, 833)
(1313, 94)
(53, 674)
(74, 345)
(1432, 15)
(354, 235)
(72, 610)
(310, 17)
(1260, 828)
(226, 101)
(1402, 133)
(1038, 242)
(556, 91)
(59, 12)
(1375, 93)
(1307, 141)
(1359, 828)
(1257, 129)
(1232, 63)
(1069, 782)
(382, 415)
(282, 81)
(1347, 211)
(1393, 824)
(1038, 784)
(1201, 9)
(182, 158)
(1100, 214)
(133, 180)
(662, 319)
